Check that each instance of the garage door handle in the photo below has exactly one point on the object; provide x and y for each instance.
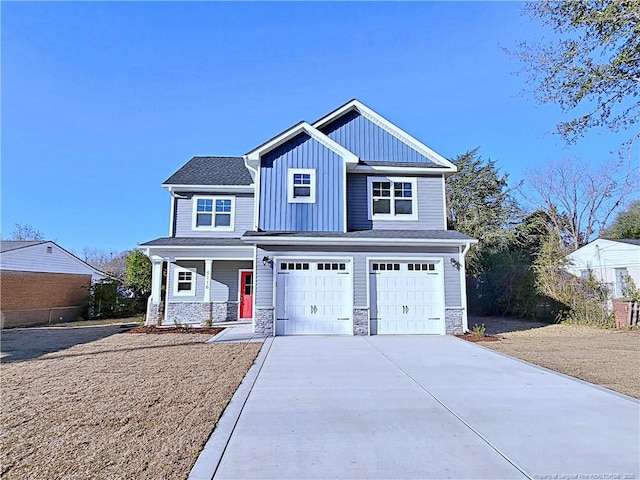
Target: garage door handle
(343, 318)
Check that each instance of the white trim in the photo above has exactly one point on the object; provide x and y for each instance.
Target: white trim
(253, 157)
(392, 215)
(463, 286)
(345, 226)
(172, 214)
(194, 247)
(240, 272)
(215, 259)
(177, 269)
(397, 170)
(444, 203)
(211, 188)
(255, 289)
(390, 128)
(287, 241)
(208, 274)
(439, 261)
(291, 172)
(212, 227)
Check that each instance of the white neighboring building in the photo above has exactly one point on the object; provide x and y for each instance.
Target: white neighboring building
(609, 260)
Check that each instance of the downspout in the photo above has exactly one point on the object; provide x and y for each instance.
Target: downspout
(463, 286)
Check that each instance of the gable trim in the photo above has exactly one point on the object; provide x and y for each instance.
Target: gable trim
(389, 128)
(252, 159)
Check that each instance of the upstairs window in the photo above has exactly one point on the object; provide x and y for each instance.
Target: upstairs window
(213, 213)
(301, 186)
(392, 198)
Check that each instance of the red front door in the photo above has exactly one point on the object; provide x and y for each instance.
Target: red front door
(246, 294)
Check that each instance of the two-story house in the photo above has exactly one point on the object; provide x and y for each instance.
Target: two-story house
(335, 227)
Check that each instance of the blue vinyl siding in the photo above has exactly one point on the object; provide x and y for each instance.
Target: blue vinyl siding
(370, 142)
(429, 199)
(327, 213)
(243, 216)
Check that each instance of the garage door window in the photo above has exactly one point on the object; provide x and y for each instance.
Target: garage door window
(294, 266)
(424, 267)
(385, 266)
(332, 266)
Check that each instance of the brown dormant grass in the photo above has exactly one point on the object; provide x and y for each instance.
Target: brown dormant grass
(126, 406)
(610, 358)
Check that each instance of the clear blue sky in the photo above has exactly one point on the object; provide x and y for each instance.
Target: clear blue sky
(101, 102)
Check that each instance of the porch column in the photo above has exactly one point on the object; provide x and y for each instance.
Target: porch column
(208, 267)
(156, 279)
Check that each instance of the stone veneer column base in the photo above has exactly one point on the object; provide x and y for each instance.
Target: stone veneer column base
(361, 321)
(155, 313)
(201, 313)
(453, 321)
(263, 321)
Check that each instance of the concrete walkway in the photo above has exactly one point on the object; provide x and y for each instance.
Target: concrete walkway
(418, 407)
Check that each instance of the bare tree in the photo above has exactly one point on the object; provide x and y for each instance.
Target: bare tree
(26, 232)
(112, 262)
(580, 198)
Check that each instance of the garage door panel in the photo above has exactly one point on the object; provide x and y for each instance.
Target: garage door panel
(407, 298)
(315, 299)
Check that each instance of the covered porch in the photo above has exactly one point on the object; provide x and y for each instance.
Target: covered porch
(199, 285)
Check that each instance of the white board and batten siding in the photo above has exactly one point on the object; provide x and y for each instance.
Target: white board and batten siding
(46, 257)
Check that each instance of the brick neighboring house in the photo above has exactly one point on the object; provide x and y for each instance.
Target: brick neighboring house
(41, 282)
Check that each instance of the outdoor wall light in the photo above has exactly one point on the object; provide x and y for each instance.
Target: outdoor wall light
(456, 264)
(266, 261)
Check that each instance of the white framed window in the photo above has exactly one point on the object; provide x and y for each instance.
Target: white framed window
(213, 213)
(184, 281)
(301, 185)
(392, 198)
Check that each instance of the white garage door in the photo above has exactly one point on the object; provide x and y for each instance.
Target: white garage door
(407, 297)
(314, 297)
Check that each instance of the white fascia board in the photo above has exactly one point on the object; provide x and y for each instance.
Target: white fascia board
(195, 247)
(253, 157)
(398, 170)
(210, 188)
(357, 241)
(389, 127)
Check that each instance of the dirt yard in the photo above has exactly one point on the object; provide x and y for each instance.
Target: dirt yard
(606, 357)
(124, 406)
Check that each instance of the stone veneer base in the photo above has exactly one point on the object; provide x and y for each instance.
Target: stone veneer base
(155, 314)
(201, 313)
(361, 321)
(263, 321)
(453, 321)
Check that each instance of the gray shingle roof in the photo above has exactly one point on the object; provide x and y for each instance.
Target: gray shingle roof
(382, 234)
(194, 242)
(7, 245)
(631, 241)
(212, 171)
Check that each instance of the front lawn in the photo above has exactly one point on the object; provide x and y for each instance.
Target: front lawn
(606, 357)
(125, 406)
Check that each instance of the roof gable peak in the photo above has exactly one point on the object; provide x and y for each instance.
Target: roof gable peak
(386, 125)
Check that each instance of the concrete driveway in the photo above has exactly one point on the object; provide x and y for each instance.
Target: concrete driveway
(417, 407)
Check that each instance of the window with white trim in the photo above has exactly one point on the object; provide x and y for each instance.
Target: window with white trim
(184, 281)
(301, 185)
(213, 213)
(392, 198)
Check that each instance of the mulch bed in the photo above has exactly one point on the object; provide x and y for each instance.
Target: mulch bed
(190, 330)
(470, 337)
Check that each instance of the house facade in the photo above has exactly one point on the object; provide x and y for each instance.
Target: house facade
(42, 283)
(610, 261)
(335, 227)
